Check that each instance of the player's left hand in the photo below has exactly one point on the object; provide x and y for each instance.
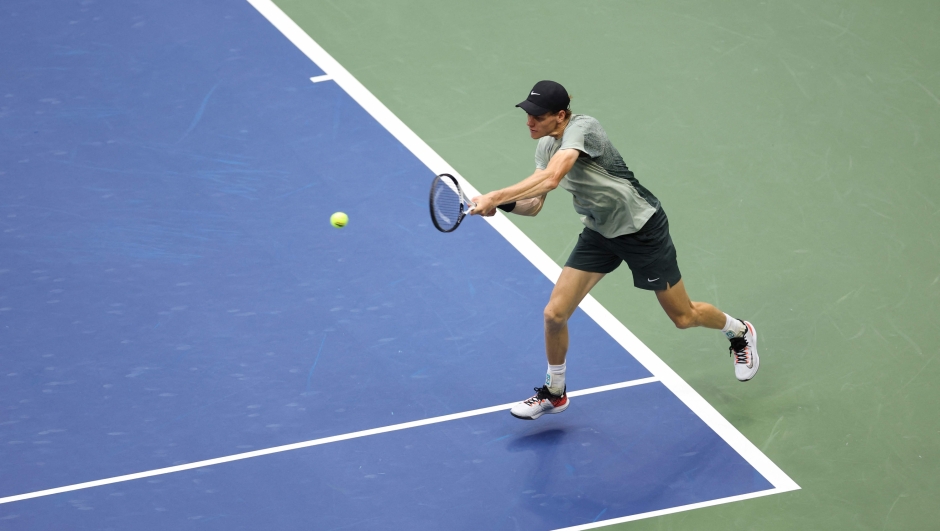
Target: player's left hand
(485, 206)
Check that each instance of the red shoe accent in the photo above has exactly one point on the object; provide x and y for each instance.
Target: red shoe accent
(559, 401)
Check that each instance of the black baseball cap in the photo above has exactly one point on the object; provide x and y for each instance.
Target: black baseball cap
(545, 96)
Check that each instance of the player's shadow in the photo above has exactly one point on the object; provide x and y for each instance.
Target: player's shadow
(547, 488)
(545, 446)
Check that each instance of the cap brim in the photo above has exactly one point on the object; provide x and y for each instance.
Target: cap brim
(532, 108)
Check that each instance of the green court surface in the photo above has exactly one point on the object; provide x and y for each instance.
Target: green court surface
(795, 147)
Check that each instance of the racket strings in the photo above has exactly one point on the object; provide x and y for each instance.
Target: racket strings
(446, 204)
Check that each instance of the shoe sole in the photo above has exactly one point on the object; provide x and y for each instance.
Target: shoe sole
(552, 412)
(754, 349)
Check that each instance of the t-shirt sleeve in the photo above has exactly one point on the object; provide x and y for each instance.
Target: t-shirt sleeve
(573, 137)
(542, 155)
(583, 136)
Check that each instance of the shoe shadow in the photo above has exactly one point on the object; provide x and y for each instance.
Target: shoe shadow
(546, 439)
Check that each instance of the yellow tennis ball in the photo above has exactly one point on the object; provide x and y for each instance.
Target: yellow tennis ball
(339, 219)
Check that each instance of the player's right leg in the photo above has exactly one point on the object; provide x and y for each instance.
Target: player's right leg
(687, 314)
(572, 286)
(651, 255)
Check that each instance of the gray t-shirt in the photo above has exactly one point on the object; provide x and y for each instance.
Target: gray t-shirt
(605, 193)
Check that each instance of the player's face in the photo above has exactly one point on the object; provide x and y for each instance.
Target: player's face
(546, 124)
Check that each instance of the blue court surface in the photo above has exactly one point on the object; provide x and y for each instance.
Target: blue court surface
(172, 293)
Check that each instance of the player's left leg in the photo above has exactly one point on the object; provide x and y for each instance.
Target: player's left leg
(686, 313)
(570, 289)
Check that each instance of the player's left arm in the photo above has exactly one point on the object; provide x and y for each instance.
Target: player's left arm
(529, 207)
(536, 185)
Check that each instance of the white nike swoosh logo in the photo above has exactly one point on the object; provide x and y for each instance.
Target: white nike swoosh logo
(652, 279)
(536, 94)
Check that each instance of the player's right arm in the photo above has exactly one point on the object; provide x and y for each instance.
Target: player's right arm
(536, 186)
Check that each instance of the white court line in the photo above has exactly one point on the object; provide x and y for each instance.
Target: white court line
(620, 333)
(304, 444)
(317, 79)
(671, 510)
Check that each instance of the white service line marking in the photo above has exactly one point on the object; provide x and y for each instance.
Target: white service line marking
(317, 79)
(304, 444)
(611, 387)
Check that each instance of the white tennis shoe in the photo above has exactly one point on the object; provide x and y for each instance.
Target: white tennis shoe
(543, 402)
(744, 352)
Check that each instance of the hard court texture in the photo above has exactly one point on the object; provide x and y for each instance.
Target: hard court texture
(173, 292)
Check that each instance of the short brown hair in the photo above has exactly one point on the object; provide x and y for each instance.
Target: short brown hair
(567, 110)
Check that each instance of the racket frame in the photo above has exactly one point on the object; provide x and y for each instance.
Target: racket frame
(465, 204)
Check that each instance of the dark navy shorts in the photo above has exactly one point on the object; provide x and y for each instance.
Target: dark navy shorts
(649, 253)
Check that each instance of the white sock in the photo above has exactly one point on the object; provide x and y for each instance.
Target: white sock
(555, 379)
(733, 327)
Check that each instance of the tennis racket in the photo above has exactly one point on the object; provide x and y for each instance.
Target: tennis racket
(449, 204)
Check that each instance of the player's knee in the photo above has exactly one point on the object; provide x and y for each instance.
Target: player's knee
(554, 318)
(683, 321)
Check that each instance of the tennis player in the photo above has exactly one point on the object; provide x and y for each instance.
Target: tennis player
(623, 222)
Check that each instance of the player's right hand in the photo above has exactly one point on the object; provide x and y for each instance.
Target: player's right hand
(484, 206)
